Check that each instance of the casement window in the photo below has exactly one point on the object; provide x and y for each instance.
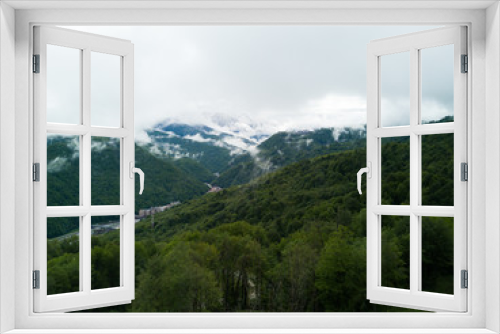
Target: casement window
(474, 131)
(68, 67)
(85, 58)
(411, 59)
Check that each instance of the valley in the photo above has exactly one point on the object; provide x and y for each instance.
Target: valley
(285, 233)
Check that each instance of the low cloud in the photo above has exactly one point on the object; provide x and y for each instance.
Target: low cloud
(255, 79)
(56, 165)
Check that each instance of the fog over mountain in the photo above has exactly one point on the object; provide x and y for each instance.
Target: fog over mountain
(181, 160)
(241, 135)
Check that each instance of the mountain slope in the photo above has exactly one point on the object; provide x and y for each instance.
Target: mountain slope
(213, 149)
(164, 182)
(282, 201)
(284, 148)
(194, 168)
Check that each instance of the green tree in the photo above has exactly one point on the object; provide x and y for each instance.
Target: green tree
(178, 281)
(341, 278)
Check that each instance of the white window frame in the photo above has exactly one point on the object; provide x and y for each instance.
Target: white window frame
(412, 44)
(483, 315)
(86, 44)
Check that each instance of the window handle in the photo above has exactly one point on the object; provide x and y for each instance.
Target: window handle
(133, 170)
(368, 171)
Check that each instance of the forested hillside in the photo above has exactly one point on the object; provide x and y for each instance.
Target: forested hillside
(291, 241)
(195, 169)
(166, 182)
(284, 148)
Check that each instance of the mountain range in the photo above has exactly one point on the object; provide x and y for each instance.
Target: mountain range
(182, 161)
(236, 157)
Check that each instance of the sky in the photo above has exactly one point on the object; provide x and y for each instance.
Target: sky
(270, 78)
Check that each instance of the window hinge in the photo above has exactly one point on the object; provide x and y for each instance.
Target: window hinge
(465, 279)
(465, 64)
(464, 172)
(36, 172)
(36, 279)
(36, 63)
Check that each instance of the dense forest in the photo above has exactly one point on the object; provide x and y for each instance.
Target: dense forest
(293, 240)
(168, 181)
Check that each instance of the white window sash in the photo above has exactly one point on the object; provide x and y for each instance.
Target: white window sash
(85, 298)
(414, 297)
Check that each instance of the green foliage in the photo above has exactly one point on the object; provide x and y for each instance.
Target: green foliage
(63, 176)
(106, 261)
(164, 182)
(194, 168)
(179, 281)
(58, 226)
(437, 169)
(290, 241)
(340, 284)
(240, 173)
(395, 171)
(63, 274)
(437, 254)
(395, 252)
(291, 281)
(321, 189)
(284, 148)
(105, 171)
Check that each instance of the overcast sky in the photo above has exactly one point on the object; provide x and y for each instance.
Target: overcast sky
(282, 77)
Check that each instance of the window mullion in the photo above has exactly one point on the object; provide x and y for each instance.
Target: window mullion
(86, 256)
(414, 172)
(85, 177)
(86, 87)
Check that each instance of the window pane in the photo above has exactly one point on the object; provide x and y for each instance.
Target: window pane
(105, 89)
(437, 84)
(63, 170)
(437, 254)
(395, 89)
(105, 252)
(63, 255)
(396, 252)
(395, 169)
(63, 85)
(437, 170)
(105, 171)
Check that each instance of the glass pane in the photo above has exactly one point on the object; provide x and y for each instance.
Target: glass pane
(63, 255)
(105, 89)
(105, 252)
(437, 254)
(395, 89)
(395, 168)
(105, 171)
(63, 170)
(437, 170)
(63, 85)
(437, 84)
(396, 252)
